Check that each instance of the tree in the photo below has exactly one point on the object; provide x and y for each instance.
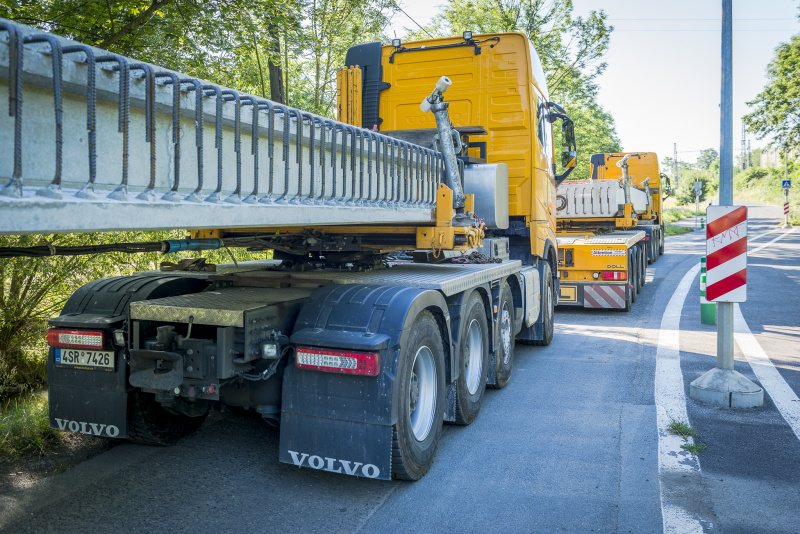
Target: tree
(219, 40)
(707, 158)
(319, 46)
(595, 134)
(776, 110)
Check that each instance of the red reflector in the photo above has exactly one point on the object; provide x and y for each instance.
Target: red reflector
(75, 339)
(647, 238)
(338, 361)
(614, 275)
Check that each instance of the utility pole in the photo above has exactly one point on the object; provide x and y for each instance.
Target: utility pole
(723, 386)
(675, 163)
(749, 155)
(744, 148)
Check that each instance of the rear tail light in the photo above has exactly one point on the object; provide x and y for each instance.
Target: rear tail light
(615, 275)
(75, 339)
(338, 361)
(647, 238)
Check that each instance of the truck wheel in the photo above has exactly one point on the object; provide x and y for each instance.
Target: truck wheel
(633, 274)
(504, 356)
(548, 307)
(643, 268)
(630, 288)
(661, 242)
(150, 424)
(473, 346)
(420, 412)
(652, 255)
(638, 252)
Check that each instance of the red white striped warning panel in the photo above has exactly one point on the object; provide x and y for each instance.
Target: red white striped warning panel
(786, 208)
(604, 296)
(726, 251)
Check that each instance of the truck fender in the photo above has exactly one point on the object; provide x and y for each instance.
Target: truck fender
(366, 317)
(97, 402)
(334, 417)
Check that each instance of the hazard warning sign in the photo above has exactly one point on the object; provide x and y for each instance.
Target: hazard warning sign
(726, 250)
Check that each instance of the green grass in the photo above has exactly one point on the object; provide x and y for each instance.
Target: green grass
(694, 448)
(676, 214)
(25, 426)
(671, 229)
(686, 431)
(682, 429)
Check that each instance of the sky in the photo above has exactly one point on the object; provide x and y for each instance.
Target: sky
(663, 80)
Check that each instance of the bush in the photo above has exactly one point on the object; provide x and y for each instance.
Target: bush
(25, 426)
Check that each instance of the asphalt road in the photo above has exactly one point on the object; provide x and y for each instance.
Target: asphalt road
(571, 445)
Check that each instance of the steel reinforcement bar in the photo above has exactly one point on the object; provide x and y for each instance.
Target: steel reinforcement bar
(94, 141)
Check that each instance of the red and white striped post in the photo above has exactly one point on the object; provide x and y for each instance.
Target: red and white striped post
(726, 250)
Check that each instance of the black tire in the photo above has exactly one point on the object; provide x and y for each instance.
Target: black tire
(150, 424)
(630, 293)
(473, 346)
(652, 255)
(638, 270)
(548, 307)
(633, 274)
(420, 412)
(504, 355)
(643, 266)
(661, 242)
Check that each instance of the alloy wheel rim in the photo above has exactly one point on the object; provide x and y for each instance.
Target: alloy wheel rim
(422, 393)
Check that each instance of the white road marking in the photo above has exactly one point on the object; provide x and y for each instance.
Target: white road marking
(671, 405)
(762, 234)
(771, 380)
(771, 242)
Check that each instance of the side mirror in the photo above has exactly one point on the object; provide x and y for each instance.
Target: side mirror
(568, 128)
(569, 158)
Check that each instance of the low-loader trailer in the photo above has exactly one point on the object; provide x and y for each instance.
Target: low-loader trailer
(359, 339)
(609, 228)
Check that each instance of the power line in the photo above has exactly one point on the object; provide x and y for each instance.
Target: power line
(717, 20)
(717, 31)
(415, 22)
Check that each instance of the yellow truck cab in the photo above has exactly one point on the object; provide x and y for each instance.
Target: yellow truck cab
(499, 104)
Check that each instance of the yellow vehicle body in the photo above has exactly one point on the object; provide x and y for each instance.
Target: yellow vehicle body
(500, 89)
(642, 166)
(602, 261)
(599, 271)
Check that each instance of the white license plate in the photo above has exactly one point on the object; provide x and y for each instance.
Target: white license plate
(86, 359)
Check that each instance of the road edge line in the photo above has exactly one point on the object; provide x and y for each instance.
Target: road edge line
(670, 400)
(782, 395)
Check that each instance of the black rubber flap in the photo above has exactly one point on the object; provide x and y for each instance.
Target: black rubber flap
(336, 446)
(89, 411)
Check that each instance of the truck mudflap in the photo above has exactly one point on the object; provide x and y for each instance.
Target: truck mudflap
(599, 296)
(343, 423)
(88, 402)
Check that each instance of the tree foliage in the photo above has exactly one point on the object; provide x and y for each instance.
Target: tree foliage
(776, 110)
(707, 158)
(319, 45)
